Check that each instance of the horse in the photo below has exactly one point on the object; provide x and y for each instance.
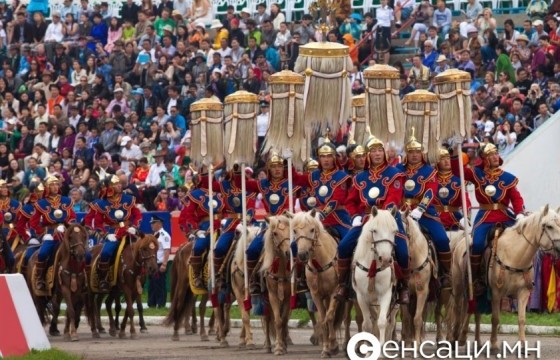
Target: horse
(69, 282)
(423, 267)
(4, 268)
(137, 257)
(510, 273)
(277, 272)
(183, 300)
(238, 287)
(317, 249)
(373, 275)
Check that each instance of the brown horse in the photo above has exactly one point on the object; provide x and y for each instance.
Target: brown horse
(510, 273)
(183, 301)
(5, 268)
(69, 281)
(136, 258)
(317, 249)
(276, 269)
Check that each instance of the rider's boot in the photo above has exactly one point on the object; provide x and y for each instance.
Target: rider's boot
(254, 281)
(196, 263)
(102, 272)
(343, 267)
(301, 281)
(40, 269)
(445, 262)
(404, 296)
(218, 261)
(478, 281)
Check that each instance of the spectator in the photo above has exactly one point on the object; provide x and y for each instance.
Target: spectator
(130, 152)
(442, 18)
(543, 115)
(157, 292)
(276, 16)
(504, 139)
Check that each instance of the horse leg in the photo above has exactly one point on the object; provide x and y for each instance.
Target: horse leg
(496, 304)
(322, 321)
(92, 309)
(140, 307)
(70, 328)
(359, 316)
(202, 314)
(267, 324)
(332, 308)
(477, 317)
(55, 303)
(96, 303)
(384, 308)
(522, 300)
(285, 308)
(118, 308)
(275, 305)
(211, 324)
(247, 340)
(347, 321)
(315, 337)
(109, 309)
(421, 299)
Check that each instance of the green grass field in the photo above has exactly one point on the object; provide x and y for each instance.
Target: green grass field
(53, 354)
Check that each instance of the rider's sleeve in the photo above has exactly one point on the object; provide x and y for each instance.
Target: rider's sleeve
(21, 226)
(187, 217)
(354, 203)
(395, 192)
(431, 187)
(516, 201)
(469, 173)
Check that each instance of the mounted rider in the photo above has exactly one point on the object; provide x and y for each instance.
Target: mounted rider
(448, 200)
(495, 190)
(275, 198)
(381, 185)
(26, 212)
(232, 215)
(420, 190)
(357, 158)
(195, 219)
(116, 215)
(48, 222)
(10, 209)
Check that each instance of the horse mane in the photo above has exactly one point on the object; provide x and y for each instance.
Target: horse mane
(303, 219)
(269, 251)
(143, 242)
(533, 221)
(414, 231)
(239, 256)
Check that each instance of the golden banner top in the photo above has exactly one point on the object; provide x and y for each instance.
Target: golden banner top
(452, 75)
(286, 77)
(324, 49)
(420, 96)
(241, 96)
(207, 104)
(359, 100)
(379, 71)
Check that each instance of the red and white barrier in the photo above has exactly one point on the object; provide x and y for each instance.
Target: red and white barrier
(20, 327)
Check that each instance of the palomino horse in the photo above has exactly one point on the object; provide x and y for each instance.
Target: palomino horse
(317, 249)
(238, 287)
(69, 281)
(510, 272)
(373, 275)
(183, 307)
(276, 268)
(422, 267)
(136, 258)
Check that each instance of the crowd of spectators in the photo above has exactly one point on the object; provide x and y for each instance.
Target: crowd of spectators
(88, 94)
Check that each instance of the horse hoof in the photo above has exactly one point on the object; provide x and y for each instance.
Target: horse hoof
(279, 352)
(54, 332)
(211, 332)
(314, 340)
(204, 338)
(250, 346)
(325, 355)
(188, 332)
(134, 336)
(224, 343)
(268, 350)
(67, 337)
(102, 331)
(74, 338)
(289, 341)
(175, 338)
(95, 335)
(334, 350)
(494, 351)
(112, 332)
(241, 346)
(122, 335)
(144, 331)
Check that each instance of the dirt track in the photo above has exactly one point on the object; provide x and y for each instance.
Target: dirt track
(157, 344)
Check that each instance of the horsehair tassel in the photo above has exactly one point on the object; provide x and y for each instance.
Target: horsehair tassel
(293, 301)
(247, 304)
(372, 269)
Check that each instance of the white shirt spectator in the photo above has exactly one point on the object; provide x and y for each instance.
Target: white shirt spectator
(282, 38)
(132, 154)
(54, 32)
(262, 124)
(488, 127)
(42, 139)
(384, 16)
(164, 241)
(505, 143)
(154, 177)
(224, 52)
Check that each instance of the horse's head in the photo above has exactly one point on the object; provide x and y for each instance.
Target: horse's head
(307, 230)
(145, 252)
(76, 241)
(550, 225)
(412, 227)
(276, 239)
(378, 234)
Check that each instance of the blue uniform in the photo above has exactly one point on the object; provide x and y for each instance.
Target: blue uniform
(10, 209)
(382, 187)
(420, 189)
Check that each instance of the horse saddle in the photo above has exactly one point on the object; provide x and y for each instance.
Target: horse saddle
(334, 233)
(49, 277)
(113, 273)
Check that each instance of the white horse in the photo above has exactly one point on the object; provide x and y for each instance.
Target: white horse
(373, 275)
(510, 272)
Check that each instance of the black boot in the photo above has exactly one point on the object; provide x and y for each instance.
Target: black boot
(196, 263)
(254, 281)
(40, 267)
(217, 267)
(404, 296)
(445, 263)
(343, 267)
(301, 281)
(102, 272)
(478, 281)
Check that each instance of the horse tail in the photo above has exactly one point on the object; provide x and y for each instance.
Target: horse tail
(181, 296)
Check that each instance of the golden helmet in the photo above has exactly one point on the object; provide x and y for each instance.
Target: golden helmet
(3, 183)
(114, 179)
(489, 149)
(275, 158)
(40, 187)
(327, 148)
(442, 153)
(51, 179)
(412, 144)
(358, 150)
(373, 142)
(312, 164)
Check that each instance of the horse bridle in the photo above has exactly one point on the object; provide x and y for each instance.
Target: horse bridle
(543, 231)
(375, 242)
(143, 258)
(314, 241)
